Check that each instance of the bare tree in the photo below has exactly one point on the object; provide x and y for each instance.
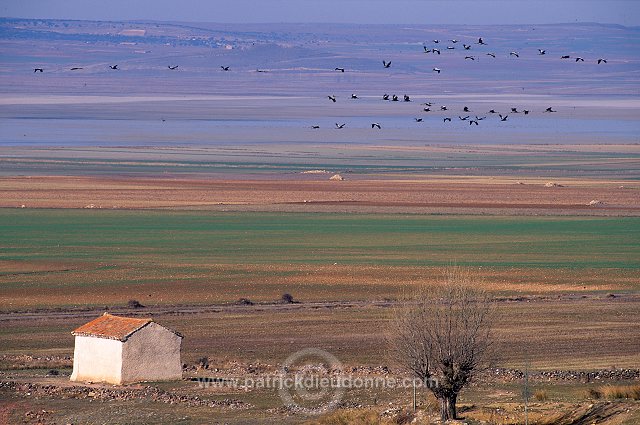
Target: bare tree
(442, 335)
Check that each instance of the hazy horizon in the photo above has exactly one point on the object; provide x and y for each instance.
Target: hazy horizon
(428, 12)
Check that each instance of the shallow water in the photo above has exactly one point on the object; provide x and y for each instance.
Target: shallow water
(396, 130)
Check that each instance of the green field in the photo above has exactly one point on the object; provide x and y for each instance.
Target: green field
(104, 257)
(262, 238)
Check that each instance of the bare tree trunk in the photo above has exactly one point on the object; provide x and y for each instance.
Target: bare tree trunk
(448, 407)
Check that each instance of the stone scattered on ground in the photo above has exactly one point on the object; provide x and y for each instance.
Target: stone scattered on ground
(149, 393)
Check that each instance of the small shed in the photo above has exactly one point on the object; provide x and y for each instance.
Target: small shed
(121, 350)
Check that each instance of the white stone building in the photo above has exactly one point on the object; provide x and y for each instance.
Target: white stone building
(121, 350)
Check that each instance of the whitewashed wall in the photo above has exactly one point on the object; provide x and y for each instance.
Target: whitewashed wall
(97, 360)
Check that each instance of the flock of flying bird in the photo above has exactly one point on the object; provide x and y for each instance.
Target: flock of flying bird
(406, 98)
(427, 108)
(428, 105)
(115, 68)
(480, 41)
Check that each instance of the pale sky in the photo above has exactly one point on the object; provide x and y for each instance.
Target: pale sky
(625, 12)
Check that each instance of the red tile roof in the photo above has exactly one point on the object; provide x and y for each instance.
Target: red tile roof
(112, 327)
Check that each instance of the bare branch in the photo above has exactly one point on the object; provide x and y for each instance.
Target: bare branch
(443, 334)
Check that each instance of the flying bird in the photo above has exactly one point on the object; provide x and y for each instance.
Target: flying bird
(332, 98)
(579, 59)
(407, 98)
(450, 48)
(427, 104)
(454, 41)
(315, 126)
(172, 67)
(224, 68)
(339, 126)
(480, 118)
(514, 110)
(385, 97)
(443, 108)
(437, 70)
(339, 69)
(375, 125)
(473, 122)
(466, 46)
(542, 52)
(601, 60)
(394, 98)
(76, 68)
(353, 96)
(427, 109)
(492, 111)
(493, 55)
(503, 118)
(466, 109)
(436, 41)
(463, 118)
(113, 66)
(434, 50)
(470, 57)
(426, 50)
(481, 41)
(565, 57)
(526, 112)
(418, 119)
(549, 109)
(386, 64)
(516, 54)
(446, 119)
(38, 70)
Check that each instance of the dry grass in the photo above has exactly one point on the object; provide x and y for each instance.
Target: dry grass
(614, 392)
(551, 413)
(541, 395)
(364, 417)
(351, 417)
(432, 406)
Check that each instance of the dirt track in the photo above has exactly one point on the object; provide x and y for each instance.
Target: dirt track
(182, 310)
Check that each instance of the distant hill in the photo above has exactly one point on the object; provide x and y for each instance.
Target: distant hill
(311, 52)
